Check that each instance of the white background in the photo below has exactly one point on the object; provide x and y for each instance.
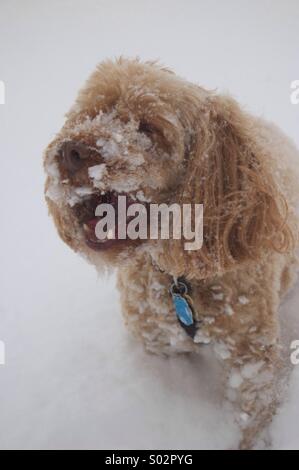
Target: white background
(73, 377)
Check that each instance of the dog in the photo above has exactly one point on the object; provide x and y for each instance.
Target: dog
(140, 131)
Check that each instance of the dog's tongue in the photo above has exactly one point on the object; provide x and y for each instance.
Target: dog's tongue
(90, 225)
(90, 230)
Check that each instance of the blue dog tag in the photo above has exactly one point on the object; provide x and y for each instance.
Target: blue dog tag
(183, 310)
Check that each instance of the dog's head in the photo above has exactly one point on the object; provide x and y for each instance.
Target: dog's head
(139, 131)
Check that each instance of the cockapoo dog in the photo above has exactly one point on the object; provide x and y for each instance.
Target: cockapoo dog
(138, 130)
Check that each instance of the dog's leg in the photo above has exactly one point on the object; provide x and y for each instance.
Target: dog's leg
(253, 388)
(255, 371)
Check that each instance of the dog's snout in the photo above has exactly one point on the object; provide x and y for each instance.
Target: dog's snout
(73, 155)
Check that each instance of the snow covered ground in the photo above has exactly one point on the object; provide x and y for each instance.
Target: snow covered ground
(73, 377)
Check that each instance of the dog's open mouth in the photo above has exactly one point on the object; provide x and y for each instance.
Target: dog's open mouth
(85, 213)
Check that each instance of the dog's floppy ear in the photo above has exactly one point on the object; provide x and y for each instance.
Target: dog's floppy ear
(244, 213)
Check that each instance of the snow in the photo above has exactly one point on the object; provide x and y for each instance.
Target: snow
(244, 417)
(73, 377)
(96, 172)
(83, 191)
(228, 310)
(243, 300)
(201, 337)
(141, 196)
(235, 379)
(108, 148)
(222, 350)
(218, 296)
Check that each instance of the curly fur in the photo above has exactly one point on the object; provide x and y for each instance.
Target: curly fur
(172, 141)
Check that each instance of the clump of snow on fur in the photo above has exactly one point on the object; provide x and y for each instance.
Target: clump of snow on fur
(117, 141)
(74, 196)
(218, 296)
(83, 191)
(228, 310)
(235, 379)
(97, 172)
(222, 350)
(73, 199)
(109, 148)
(244, 417)
(202, 337)
(252, 329)
(141, 197)
(54, 193)
(243, 300)
(55, 190)
(117, 137)
(216, 287)
(157, 286)
(209, 320)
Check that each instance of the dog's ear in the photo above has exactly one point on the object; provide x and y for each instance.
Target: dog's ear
(244, 213)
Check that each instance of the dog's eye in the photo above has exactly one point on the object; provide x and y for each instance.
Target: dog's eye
(146, 128)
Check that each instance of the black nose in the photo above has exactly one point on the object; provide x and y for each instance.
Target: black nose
(73, 155)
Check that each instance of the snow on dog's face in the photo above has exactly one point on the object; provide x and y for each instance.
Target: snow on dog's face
(122, 137)
(139, 131)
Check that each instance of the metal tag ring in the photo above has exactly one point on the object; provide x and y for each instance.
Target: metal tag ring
(179, 288)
